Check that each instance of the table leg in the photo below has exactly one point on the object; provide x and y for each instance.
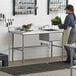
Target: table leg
(71, 72)
(12, 46)
(9, 47)
(71, 64)
(22, 48)
(51, 49)
(62, 46)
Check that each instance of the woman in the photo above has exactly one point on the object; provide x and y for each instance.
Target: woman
(70, 21)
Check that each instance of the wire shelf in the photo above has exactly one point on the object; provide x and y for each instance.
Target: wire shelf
(56, 5)
(21, 7)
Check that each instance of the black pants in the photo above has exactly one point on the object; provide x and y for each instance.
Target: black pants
(71, 40)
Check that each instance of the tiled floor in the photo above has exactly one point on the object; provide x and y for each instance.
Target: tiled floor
(36, 61)
(63, 72)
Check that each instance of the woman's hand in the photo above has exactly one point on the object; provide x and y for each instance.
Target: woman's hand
(59, 25)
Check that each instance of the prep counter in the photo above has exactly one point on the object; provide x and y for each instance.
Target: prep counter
(43, 35)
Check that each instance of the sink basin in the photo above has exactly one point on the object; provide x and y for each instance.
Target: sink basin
(50, 29)
(53, 35)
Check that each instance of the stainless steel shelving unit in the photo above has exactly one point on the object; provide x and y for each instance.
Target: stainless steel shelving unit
(21, 7)
(56, 5)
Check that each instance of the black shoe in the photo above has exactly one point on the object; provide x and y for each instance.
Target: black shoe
(74, 62)
(67, 61)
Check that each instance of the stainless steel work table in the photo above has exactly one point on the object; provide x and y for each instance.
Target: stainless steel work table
(39, 32)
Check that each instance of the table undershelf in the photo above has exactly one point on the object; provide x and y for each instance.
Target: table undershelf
(20, 48)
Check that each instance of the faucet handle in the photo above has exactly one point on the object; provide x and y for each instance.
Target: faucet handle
(45, 26)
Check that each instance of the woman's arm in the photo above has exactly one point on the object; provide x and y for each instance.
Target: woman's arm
(66, 23)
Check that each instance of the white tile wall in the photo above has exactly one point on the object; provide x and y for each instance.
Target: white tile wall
(40, 19)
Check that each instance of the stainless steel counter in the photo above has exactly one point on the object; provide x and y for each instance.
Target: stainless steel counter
(43, 35)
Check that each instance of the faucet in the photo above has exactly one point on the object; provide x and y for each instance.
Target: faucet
(42, 27)
(45, 26)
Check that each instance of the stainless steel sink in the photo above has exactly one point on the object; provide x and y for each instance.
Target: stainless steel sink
(51, 36)
(50, 30)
